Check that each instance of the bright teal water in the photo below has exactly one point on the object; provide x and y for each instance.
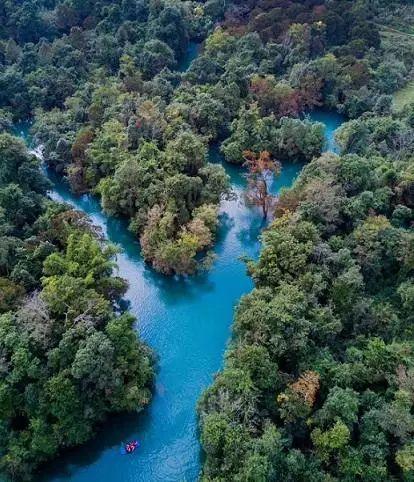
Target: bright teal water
(332, 121)
(192, 51)
(187, 322)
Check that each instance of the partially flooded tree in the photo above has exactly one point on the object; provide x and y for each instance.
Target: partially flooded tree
(261, 169)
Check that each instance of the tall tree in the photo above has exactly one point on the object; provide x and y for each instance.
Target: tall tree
(261, 170)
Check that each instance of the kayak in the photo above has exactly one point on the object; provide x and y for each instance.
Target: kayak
(129, 447)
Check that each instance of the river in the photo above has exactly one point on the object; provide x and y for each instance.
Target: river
(187, 322)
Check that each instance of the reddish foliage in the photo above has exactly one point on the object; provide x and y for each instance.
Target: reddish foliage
(259, 167)
(259, 164)
(319, 11)
(311, 92)
(272, 100)
(83, 139)
(307, 387)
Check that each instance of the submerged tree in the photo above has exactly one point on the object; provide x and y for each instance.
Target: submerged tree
(261, 170)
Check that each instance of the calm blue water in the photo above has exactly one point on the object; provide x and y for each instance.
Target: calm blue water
(193, 50)
(187, 322)
(332, 121)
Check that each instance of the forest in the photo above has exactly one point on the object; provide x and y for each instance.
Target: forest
(67, 357)
(113, 113)
(318, 378)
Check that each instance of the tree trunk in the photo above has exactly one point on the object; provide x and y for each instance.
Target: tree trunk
(264, 195)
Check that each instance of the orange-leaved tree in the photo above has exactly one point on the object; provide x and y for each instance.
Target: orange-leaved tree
(261, 168)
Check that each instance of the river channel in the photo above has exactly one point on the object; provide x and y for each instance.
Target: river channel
(187, 322)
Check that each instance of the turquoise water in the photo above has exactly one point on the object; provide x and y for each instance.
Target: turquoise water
(193, 50)
(332, 121)
(187, 322)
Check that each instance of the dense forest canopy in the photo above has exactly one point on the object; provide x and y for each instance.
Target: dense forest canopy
(318, 378)
(317, 382)
(115, 115)
(67, 358)
(100, 81)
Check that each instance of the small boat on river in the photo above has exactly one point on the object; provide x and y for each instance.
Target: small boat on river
(129, 447)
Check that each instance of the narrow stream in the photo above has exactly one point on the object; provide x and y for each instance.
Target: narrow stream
(187, 322)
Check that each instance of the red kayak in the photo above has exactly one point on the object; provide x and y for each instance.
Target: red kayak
(129, 447)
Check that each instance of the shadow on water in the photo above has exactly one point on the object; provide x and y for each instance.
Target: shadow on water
(250, 236)
(116, 431)
(192, 52)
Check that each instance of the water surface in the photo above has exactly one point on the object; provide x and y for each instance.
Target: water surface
(332, 121)
(187, 322)
(192, 52)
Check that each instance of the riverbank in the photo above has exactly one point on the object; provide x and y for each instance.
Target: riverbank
(187, 322)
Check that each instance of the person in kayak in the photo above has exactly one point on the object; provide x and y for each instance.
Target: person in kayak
(131, 446)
